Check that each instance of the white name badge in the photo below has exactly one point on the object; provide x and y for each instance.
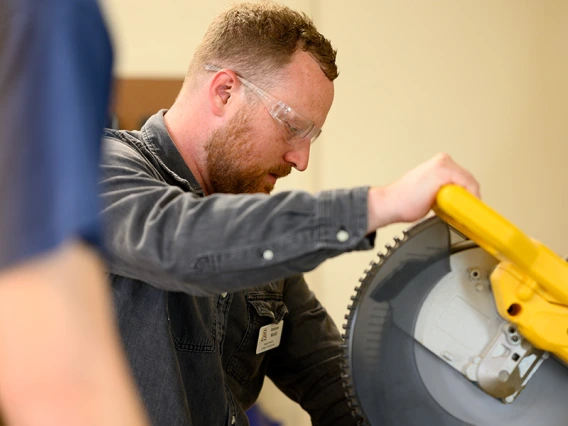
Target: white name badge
(269, 337)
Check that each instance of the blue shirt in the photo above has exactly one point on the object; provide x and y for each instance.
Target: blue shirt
(55, 74)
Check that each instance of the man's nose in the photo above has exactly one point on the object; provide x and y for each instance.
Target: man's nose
(298, 156)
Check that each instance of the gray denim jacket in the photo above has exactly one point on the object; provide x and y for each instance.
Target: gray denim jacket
(195, 279)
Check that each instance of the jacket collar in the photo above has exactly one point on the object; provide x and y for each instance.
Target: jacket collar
(157, 139)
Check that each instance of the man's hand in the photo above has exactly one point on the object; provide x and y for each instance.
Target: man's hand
(411, 197)
(61, 360)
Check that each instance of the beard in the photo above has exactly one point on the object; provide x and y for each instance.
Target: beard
(230, 160)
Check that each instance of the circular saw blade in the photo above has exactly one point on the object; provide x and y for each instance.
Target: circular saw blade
(393, 380)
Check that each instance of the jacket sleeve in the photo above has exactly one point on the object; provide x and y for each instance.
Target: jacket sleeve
(176, 240)
(307, 364)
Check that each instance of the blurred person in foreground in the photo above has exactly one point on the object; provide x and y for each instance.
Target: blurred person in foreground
(206, 266)
(60, 358)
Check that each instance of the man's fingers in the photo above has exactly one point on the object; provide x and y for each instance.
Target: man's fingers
(458, 175)
(469, 182)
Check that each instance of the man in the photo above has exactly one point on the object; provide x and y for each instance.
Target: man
(206, 266)
(60, 356)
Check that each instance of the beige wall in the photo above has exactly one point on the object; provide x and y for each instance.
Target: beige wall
(482, 80)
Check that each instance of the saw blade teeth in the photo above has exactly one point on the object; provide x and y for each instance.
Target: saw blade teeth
(365, 281)
(382, 261)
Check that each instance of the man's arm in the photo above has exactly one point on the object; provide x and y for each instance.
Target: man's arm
(60, 357)
(178, 241)
(306, 365)
(175, 240)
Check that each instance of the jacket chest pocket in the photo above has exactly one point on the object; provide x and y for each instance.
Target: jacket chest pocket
(262, 309)
(192, 322)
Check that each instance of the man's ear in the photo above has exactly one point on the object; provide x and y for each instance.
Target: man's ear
(222, 90)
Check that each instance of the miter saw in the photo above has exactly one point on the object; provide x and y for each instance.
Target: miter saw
(463, 321)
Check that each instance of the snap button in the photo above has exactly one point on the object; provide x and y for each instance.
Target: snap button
(268, 255)
(342, 235)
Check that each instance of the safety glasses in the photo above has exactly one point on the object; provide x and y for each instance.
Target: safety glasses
(296, 126)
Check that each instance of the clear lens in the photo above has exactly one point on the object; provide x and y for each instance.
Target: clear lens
(295, 125)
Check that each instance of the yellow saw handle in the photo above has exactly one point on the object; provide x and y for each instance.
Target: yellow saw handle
(530, 284)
